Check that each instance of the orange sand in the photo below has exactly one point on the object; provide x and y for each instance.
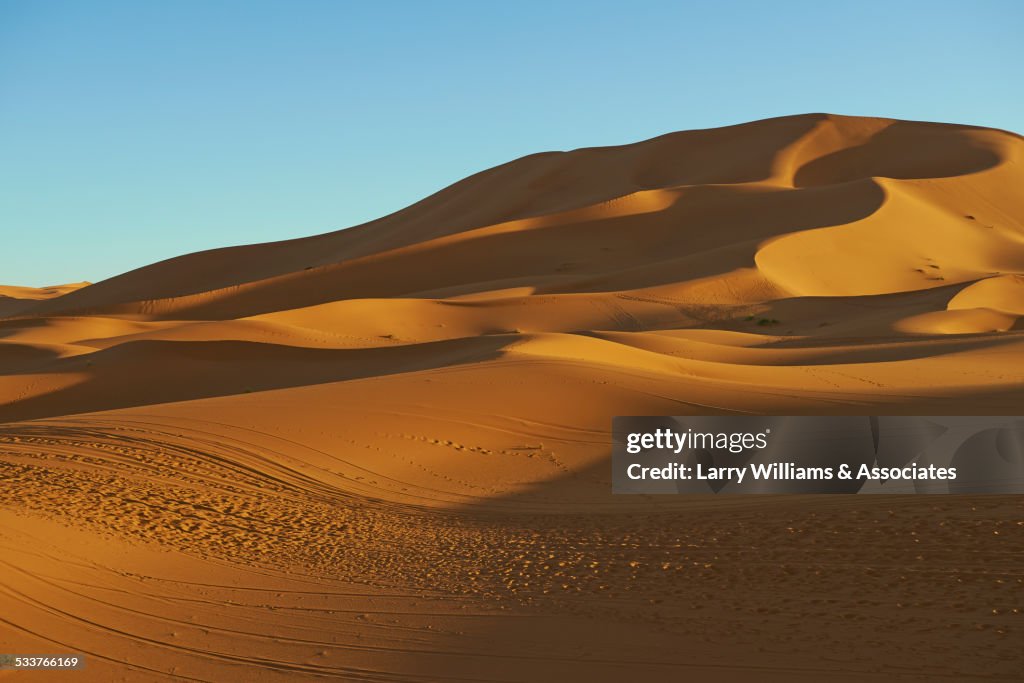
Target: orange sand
(382, 453)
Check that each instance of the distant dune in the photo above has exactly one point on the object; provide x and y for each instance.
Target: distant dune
(382, 453)
(14, 300)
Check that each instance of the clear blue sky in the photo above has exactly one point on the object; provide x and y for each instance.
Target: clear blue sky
(135, 131)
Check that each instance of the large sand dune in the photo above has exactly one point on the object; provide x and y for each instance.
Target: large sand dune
(382, 453)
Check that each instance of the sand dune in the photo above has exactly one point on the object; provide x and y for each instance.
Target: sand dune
(382, 453)
(13, 299)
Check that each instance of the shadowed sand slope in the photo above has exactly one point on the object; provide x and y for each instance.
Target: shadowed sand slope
(382, 453)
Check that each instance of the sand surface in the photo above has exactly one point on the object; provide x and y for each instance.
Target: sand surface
(383, 453)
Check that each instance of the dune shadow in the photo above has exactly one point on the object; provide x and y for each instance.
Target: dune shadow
(21, 358)
(149, 372)
(903, 150)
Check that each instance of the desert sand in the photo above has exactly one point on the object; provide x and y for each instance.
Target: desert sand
(382, 453)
